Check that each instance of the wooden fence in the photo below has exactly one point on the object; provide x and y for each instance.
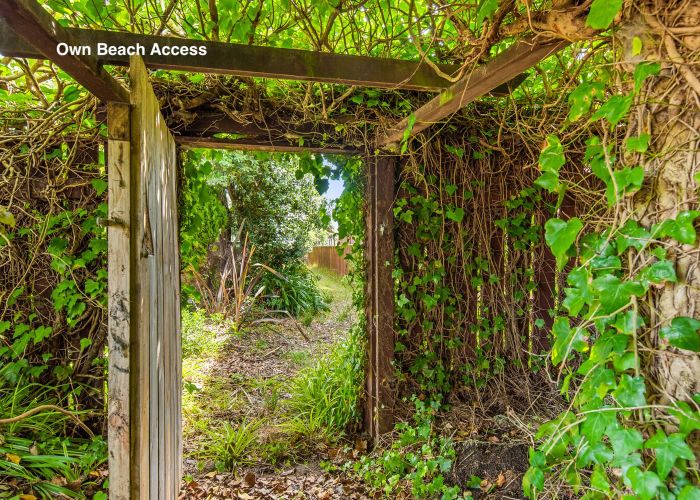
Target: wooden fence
(327, 257)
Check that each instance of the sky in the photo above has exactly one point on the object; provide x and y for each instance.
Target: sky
(335, 188)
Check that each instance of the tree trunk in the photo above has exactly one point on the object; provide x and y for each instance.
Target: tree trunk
(669, 110)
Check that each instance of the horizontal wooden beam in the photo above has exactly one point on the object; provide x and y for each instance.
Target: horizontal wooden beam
(40, 31)
(258, 145)
(501, 69)
(252, 61)
(242, 60)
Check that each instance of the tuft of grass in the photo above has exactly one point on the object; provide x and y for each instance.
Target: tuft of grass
(234, 445)
(324, 397)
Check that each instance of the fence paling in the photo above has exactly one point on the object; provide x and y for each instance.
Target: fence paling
(327, 257)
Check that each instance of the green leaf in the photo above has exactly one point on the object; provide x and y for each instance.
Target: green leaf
(567, 339)
(659, 272)
(548, 181)
(642, 71)
(487, 8)
(680, 229)
(636, 46)
(100, 186)
(614, 293)
(579, 295)
(533, 481)
(596, 423)
(84, 344)
(42, 333)
(450, 189)
(637, 144)
(455, 214)
(682, 333)
(560, 235)
(668, 450)
(689, 492)
(625, 441)
(631, 235)
(6, 217)
(614, 109)
(599, 480)
(552, 156)
(581, 99)
(602, 13)
(630, 391)
(644, 484)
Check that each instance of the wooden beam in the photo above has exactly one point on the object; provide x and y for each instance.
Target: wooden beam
(247, 144)
(504, 67)
(251, 61)
(36, 26)
(379, 307)
(119, 303)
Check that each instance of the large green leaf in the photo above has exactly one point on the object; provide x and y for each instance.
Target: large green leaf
(603, 13)
(630, 391)
(682, 333)
(614, 109)
(680, 229)
(487, 8)
(625, 441)
(567, 340)
(581, 98)
(613, 293)
(667, 450)
(560, 235)
(643, 483)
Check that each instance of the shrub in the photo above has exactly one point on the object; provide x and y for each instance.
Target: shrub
(295, 291)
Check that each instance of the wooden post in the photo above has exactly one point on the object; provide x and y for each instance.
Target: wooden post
(119, 317)
(379, 295)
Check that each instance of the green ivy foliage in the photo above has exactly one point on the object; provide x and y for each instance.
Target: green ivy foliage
(614, 441)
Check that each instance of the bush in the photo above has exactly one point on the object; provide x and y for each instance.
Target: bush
(295, 291)
(324, 398)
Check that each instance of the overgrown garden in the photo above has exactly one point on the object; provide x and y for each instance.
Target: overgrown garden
(545, 269)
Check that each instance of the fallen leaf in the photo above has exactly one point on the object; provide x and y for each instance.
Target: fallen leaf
(15, 459)
(485, 485)
(501, 480)
(249, 479)
(27, 497)
(33, 449)
(494, 439)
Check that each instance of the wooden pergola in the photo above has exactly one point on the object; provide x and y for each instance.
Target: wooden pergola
(143, 248)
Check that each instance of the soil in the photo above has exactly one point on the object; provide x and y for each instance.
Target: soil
(500, 466)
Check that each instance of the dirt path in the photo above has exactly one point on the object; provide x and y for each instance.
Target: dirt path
(239, 439)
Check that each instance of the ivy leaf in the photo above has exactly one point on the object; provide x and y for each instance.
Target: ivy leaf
(688, 419)
(533, 481)
(637, 144)
(625, 441)
(631, 235)
(579, 295)
(644, 484)
(450, 189)
(41, 333)
(487, 8)
(602, 13)
(614, 109)
(99, 185)
(552, 156)
(548, 181)
(682, 333)
(597, 423)
(560, 235)
(659, 272)
(668, 450)
(455, 214)
(642, 71)
(581, 99)
(627, 181)
(689, 492)
(599, 480)
(630, 391)
(567, 339)
(614, 293)
(84, 344)
(680, 229)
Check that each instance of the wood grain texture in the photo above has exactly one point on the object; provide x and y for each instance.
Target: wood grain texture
(119, 318)
(36, 26)
(503, 68)
(379, 306)
(156, 402)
